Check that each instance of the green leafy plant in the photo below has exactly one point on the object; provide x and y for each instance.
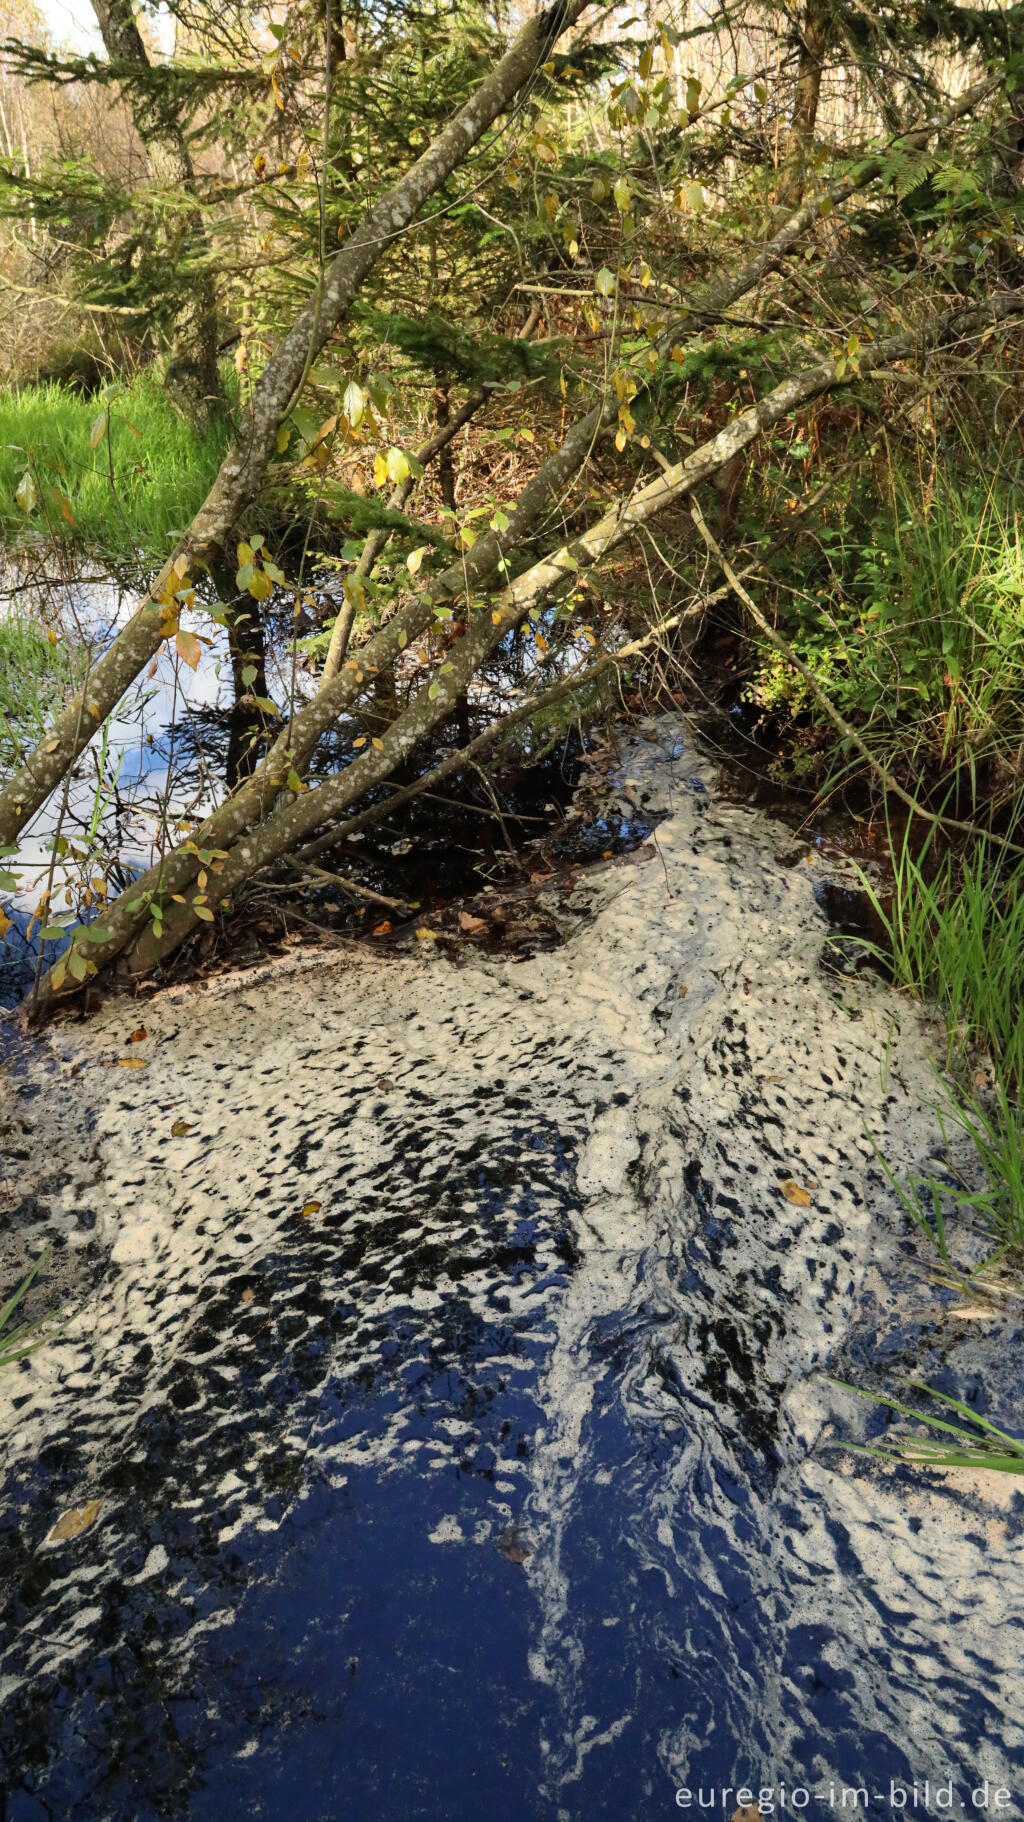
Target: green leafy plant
(15, 1343)
(915, 631)
(982, 1445)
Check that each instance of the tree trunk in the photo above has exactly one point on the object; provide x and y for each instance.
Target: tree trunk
(193, 368)
(814, 37)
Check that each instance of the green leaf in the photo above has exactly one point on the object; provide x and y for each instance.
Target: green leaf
(604, 283)
(353, 404)
(397, 466)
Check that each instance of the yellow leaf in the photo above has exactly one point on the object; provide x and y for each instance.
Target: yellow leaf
(361, 742)
(415, 558)
(795, 1192)
(427, 936)
(74, 1521)
(188, 648)
(310, 1208)
(379, 744)
(133, 1062)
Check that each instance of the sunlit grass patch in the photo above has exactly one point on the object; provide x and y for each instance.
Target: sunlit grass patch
(120, 474)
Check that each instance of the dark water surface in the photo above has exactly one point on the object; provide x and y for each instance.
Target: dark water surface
(454, 1390)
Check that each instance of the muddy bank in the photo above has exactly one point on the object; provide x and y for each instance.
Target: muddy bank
(447, 1357)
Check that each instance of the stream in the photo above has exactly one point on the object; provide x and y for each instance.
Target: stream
(439, 1426)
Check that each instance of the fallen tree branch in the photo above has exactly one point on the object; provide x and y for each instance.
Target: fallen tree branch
(291, 824)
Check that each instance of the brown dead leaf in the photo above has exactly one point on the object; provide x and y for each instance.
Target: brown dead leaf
(682, 992)
(383, 929)
(513, 1546)
(471, 925)
(795, 1192)
(74, 1521)
(538, 879)
(137, 1036)
(310, 1208)
(248, 1296)
(180, 1128)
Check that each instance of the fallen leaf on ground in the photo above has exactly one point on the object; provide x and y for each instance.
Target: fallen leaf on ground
(180, 1128)
(537, 879)
(249, 1296)
(134, 1062)
(471, 924)
(74, 1521)
(427, 936)
(310, 1208)
(137, 1036)
(383, 929)
(513, 1547)
(795, 1192)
